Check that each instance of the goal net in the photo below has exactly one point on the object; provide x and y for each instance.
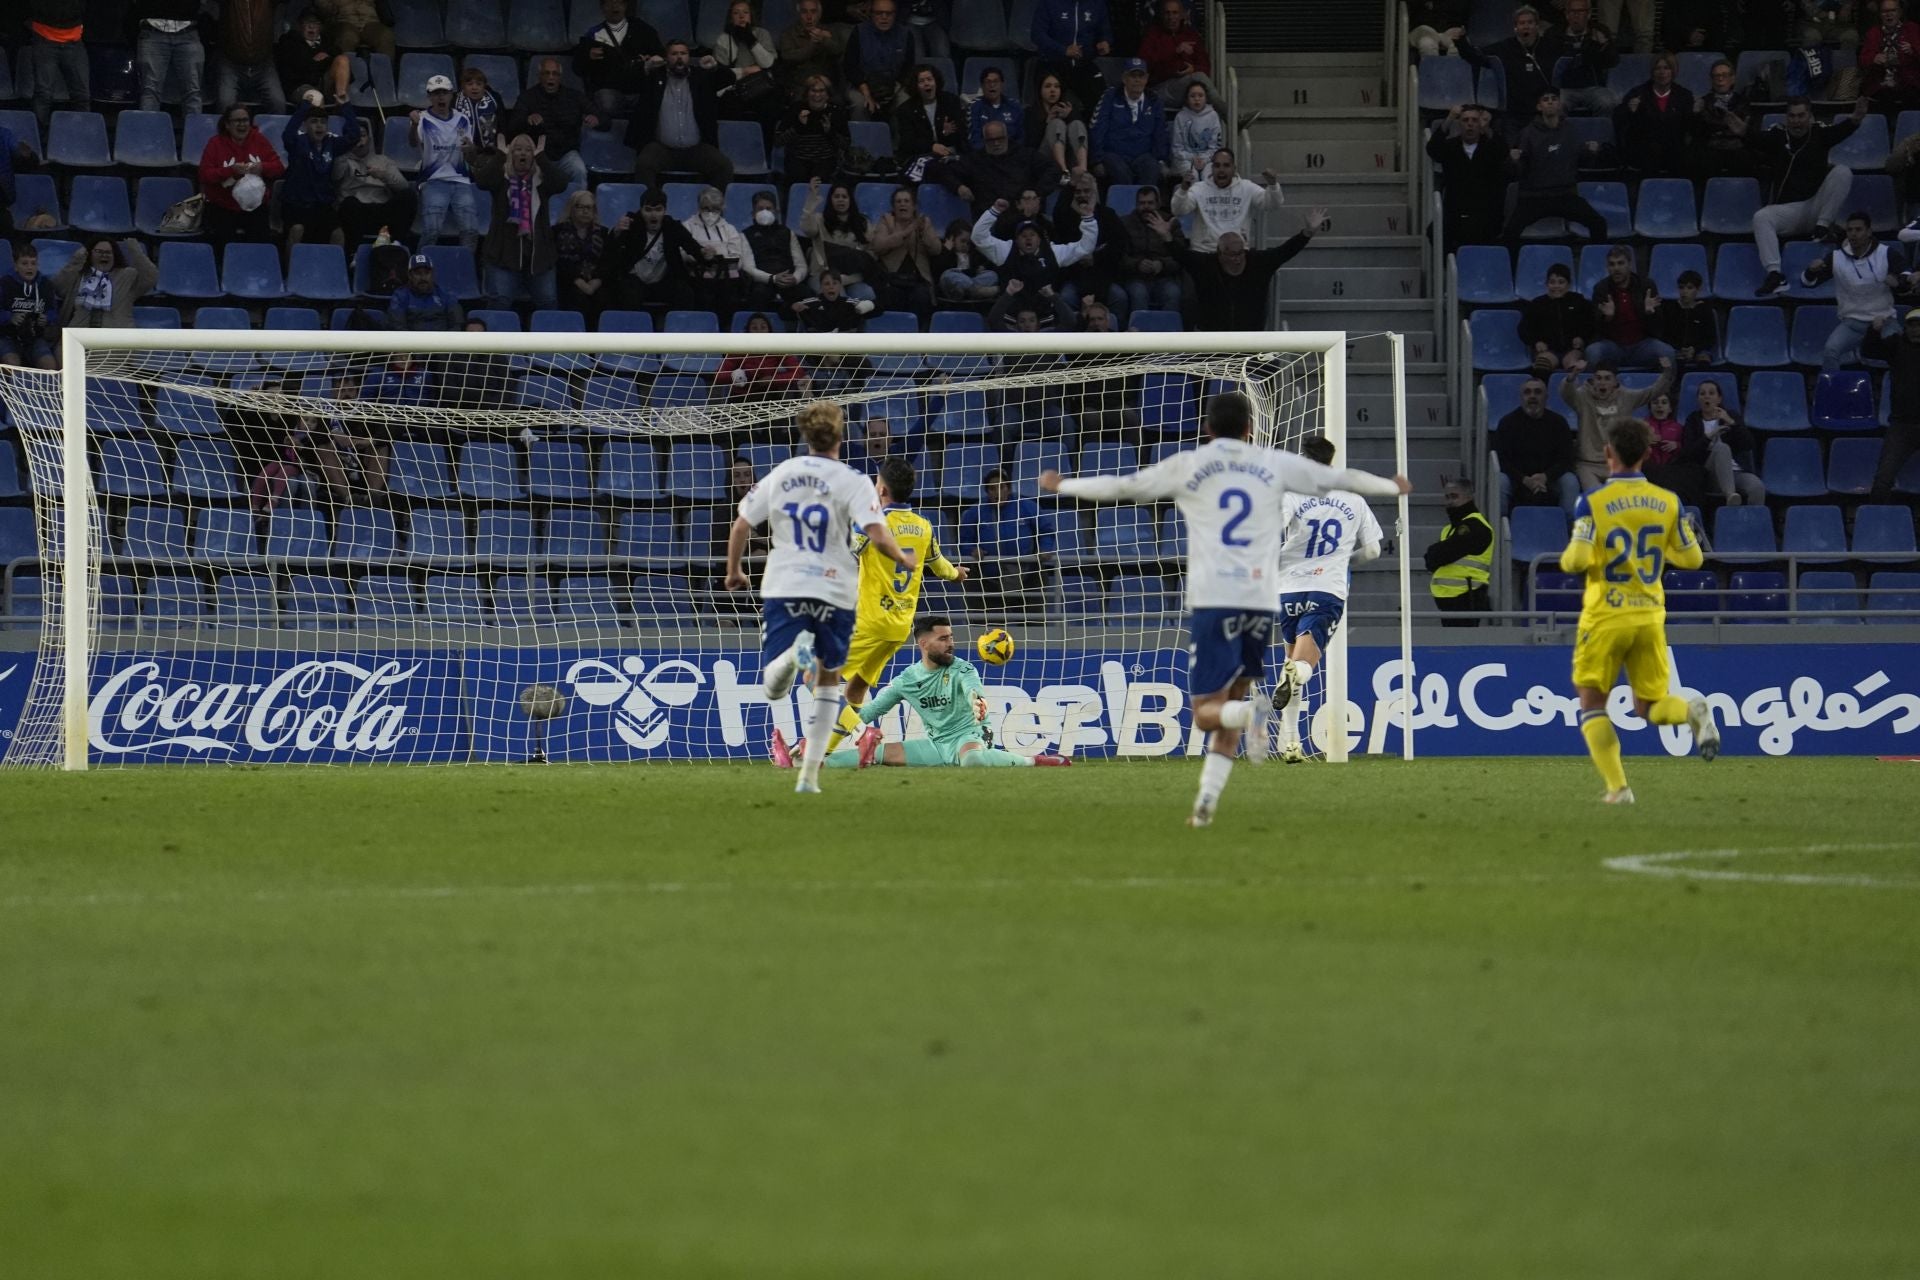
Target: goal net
(263, 546)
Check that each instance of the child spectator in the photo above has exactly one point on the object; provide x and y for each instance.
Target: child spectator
(1197, 134)
(830, 310)
(481, 107)
(1688, 325)
(306, 197)
(31, 312)
(1557, 325)
(443, 137)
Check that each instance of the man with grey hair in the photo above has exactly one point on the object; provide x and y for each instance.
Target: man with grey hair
(1000, 170)
(555, 113)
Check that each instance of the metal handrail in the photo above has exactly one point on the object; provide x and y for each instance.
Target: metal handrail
(1792, 613)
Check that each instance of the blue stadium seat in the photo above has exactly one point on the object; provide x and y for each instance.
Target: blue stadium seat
(558, 321)
(1884, 531)
(1689, 393)
(573, 533)
(959, 413)
(396, 143)
(55, 254)
(195, 132)
(608, 393)
(177, 410)
(1813, 323)
(438, 533)
(455, 598)
(296, 533)
(763, 457)
(319, 272)
(1609, 200)
(1503, 396)
(169, 601)
(1490, 87)
(521, 600)
(252, 271)
(99, 204)
(17, 538)
(365, 533)
(1170, 406)
(539, 26)
(1486, 274)
(144, 140)
(1445, 82)
(245, 599)
(874, 199)
(1691, 591)
(497, 321)
(503, 534)
(739, 206)
(1868, 146)
(153, 197)
(606, 153)
(1666, 210)
(78, 140)
(25, 128)
(692, 322)
(559, 469)
(130, 467)
(982, 26)
(1729, 206)
(316, 602)
(698, 472)
(187, 271)
(1530, 269)
(1107, 458)
(1122, 533)
(545, 391)
(683, 199)
(1851, 461)
(588, 599)
(1792, 468)
(744, 144)
(1744, 533)
(222, 362)
(1669, 260)
(370, 83)
(34, 194)
(1894, 594)
(628, 471)
(416, 69)
(1694, 70)
(116, 405)
(1757, 591)
(1756, 337)
(385, 595)
(1906, 125)
(419, 470)
(1794, 259)
(698, 538)
(1148, 320)
(645, 536)
(1874, 194)
(1630, 72)
(1133, 595)
(1536, 531)
(155, 533)
(1777, 401)
(418, 24)
(453, 270)
(1843, 401)
(671, 18)
(1496, 341)
(9, 472)
(963, 470)
(1815, 531)
(204, 467)
(1737, 272)
(1591, 268)
(489, 471)
(960, 367)
(614, 200)
(156, 317)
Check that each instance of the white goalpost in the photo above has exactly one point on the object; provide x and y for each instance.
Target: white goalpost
(344, 547)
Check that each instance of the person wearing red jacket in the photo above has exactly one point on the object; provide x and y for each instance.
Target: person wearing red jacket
(1176, 55)
(762, 375)
(235, 171)
(1890, 60)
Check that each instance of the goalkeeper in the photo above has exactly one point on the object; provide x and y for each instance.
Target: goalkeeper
(947, 693)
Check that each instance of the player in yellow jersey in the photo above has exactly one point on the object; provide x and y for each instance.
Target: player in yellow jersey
(883, 620)
(1625, 535)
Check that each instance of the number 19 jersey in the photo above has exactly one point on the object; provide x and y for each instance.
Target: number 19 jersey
(812, 506)
(1318, 540)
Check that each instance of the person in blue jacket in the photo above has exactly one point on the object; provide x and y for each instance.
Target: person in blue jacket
(1130, 138)
(306, 196)
(1070, 35)
(422, 305)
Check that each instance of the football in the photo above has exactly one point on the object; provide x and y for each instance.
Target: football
(995, 647)
(541, 702)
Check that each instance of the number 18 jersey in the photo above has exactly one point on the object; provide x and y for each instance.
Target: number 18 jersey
(1319, 538)
(812, 507)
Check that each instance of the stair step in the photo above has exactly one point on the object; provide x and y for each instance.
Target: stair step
(1356, 251)
(1312, 92)
(1348, 124)
(1335, 156)
(1353, 220)
(1312, 281)
(1366, 410)
(1312, 189)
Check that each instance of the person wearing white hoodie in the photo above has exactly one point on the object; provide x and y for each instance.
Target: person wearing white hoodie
(1226, 203)
(1197, 134)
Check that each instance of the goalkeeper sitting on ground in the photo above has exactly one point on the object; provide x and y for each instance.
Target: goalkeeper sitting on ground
(946, 691)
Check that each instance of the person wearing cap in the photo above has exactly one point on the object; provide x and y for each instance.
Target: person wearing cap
(651, 259)
(1176, 55)
(235, 168)
(444, 137)
(1030, 261)
(422, 305)
(1226, 202)
(518, 253)
(676, 122)
(1130, 131)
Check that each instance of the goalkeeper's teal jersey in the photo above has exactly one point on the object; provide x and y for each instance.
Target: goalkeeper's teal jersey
(942, 695)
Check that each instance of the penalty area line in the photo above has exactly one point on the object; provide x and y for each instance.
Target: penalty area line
(1669, 864)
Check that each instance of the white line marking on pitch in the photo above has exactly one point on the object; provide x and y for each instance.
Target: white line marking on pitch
(1663, 864)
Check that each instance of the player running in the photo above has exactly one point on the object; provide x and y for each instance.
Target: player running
(883, 622)
(1641, 532)
(811, 578)
(946, 691)
(1321, 537)
(1232, 493)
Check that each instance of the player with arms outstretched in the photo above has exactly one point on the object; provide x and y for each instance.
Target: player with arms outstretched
(945, 689)
(1626, 534)
(1232, 493)
(811, 581)
(1323, 535)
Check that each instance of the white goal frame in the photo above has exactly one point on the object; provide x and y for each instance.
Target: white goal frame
(78, 344)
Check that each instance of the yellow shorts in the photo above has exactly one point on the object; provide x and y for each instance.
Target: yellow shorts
(1600, 652)
(869, 652)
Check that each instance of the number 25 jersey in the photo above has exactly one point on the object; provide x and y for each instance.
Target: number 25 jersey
(1626, 534)
(812, 506)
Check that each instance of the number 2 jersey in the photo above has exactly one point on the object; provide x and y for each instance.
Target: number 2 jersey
(812, 507)
(1626, 534)
(1322, 534)
(1233, 496)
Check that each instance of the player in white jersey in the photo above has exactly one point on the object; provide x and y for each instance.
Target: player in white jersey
(1231, 492)
(811, 584)
(1322, 537)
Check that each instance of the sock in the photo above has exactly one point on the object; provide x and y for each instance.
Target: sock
(826, 710)
(1603, 744)
(1290, 722)
(1668, 710)
(847, 759)
(846, 727)
(1236, 715)
(994, 758)
(1214, 770)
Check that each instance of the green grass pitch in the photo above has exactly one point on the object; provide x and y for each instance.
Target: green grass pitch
(1379, 1021)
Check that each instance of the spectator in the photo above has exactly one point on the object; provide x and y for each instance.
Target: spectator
(371, 194)
(1535, 448)
(723, 252)
(518, 251)
(99, 287)
(1640, 14)
(927, 23)
(1597, 405)
(651, 259)
(30, 312)
(579, 245)
(614, 56)
(1234, 281)
(830, 310)
(168, 52)
(1655, 124)
(1462, 561)
(247, 72)
(1013, 543)
(1902, 436)
(964, 275)
(837, 232)
(1728, 447)
(1721, 145)
(1583, 85)
(1438, 28)
(814, 133)
(1031, 260)
(12, 152)
(1070, 35)
(676, 124)
(1548, 163)
(1018, 311)
(998, 171)
(1149, 262)
(305, 60)
(57, 56)
(930, 130)
(993, 105)
(775, 263)
(1864, 279)
(482, 108)
(1028, 206)
(808, 49)
(556, 113)
(1096, 276)
(1057, 125)
(1557, 326)
(1527, 59)
(421, 305)
(905, 243)
(1473, 176)
(1130, 142)
(444, 139)
(761, 376)
(879, 51)
(235, 168)
(1176, 56)
(1664, 465)
(747, 51)
(1626, 305)
(1688, 325)
(1890, 59)
(1226, 202)
(875, 444)
(1196, 134)
(306, 197)
(1824, 25)
(355, 24)
(1804, 190)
